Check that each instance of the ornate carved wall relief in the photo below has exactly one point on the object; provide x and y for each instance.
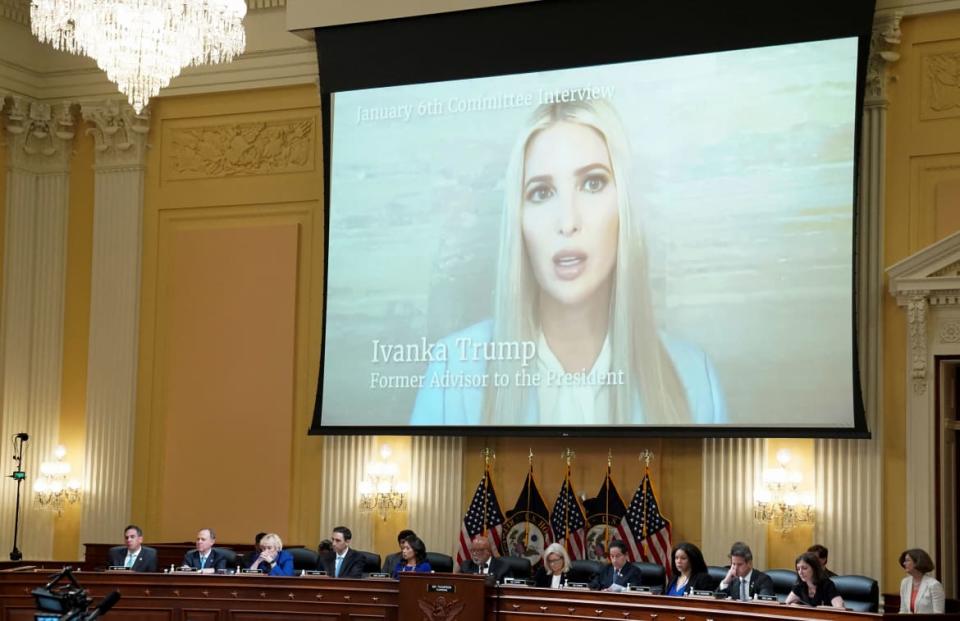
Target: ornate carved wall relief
(240, 149)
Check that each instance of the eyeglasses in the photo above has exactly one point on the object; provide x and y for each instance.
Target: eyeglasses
(554, 560)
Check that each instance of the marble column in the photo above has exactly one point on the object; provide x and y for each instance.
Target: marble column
(120, 137)
(39, 139)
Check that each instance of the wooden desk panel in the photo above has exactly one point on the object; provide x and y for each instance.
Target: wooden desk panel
(526, 604)
(206, 597)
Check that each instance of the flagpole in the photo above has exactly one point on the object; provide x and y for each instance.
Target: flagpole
(645, 457)
(606, 506)
(568, 454)
(486, 452)
(526, 523)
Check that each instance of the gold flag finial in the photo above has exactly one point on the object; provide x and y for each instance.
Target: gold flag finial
(488, 455)
(568, 455)
(646, 456)
(609, 457)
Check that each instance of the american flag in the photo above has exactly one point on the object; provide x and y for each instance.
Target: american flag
(568, 521)
(483, 516)
(645, 531)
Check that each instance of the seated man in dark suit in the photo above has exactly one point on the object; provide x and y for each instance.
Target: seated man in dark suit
(392, 559)
(345, 563)
(205, 558)
(743, 581)
(482, 561)
(133, 554)
(822, 554)
(618, 574)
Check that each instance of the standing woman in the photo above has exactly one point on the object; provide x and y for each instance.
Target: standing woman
(918, 591)
(413, 557)
(553, 573)
(689, 571)
(813, 587)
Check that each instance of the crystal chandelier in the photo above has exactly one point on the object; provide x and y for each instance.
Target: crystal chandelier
(142, 44)
(381, 491)
(778, 502)
(53, 489)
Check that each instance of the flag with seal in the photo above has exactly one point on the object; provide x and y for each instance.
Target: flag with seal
(526, 531)
(604, 514)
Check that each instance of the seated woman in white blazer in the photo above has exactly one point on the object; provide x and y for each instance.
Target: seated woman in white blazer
(919, 593)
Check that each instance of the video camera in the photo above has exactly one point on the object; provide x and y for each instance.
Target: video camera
(63, 599)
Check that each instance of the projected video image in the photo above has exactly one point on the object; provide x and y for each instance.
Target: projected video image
(657, 243)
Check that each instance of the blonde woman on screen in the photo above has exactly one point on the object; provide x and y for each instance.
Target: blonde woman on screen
(572, 285)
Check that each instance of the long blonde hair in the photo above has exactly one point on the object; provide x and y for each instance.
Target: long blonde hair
(636, 347)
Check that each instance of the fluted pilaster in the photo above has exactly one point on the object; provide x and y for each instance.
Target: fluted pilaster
(344, 458)
(39, 139)
(849, 485)
(436, 490)
(731, 466)
(120, 149)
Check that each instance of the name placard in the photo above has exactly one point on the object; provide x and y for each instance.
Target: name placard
(442, 588)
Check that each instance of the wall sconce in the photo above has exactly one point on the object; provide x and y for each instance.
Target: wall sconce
(778, 503)
(380, 491)
(53, 488)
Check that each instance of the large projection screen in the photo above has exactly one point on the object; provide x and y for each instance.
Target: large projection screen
(652, 244)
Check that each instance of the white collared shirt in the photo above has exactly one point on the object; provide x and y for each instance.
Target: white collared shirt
(579, 404)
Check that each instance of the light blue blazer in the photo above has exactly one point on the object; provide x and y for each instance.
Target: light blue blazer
(464, 406)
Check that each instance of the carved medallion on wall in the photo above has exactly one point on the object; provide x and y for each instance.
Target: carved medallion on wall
(240, 149)
(950, 332)
(940, 75)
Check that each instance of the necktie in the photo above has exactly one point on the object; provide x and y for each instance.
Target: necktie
(743, 589)
(203, 561)
(336, 571)
(129, 561)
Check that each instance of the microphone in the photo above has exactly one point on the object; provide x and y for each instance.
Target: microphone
(23, 436)
(106, 604)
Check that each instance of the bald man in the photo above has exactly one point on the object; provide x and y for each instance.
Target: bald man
(482, 561)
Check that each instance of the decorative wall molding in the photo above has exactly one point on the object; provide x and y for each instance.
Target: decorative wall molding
(941, 82)
(950, 332)
(240, 149)
(883, 52)
(917, 330)
(40, 135)
(260, 5)
(119, 133)
(16, 11)
(929, 289)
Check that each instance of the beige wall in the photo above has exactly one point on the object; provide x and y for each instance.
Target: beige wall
(230, 311)
(922, 206)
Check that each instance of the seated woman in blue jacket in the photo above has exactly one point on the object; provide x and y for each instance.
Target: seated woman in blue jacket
(272, 558)
(413, 557)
